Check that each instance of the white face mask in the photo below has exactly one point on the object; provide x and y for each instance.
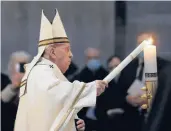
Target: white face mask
(93, 64)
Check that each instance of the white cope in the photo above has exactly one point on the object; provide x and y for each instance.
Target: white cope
(49, 97)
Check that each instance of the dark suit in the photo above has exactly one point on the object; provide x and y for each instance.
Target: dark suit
(71, 71)
(8, 109)
(110, 99)
(4, 81)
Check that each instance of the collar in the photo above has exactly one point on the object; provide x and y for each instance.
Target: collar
(57, 71)
(45, 62)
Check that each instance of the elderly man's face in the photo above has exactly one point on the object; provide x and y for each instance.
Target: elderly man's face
(62, 56)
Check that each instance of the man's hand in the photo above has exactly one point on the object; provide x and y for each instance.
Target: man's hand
(16, 79)
(100, 86)
(136, 100)
(80, 125)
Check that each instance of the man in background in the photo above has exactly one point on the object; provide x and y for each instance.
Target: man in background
(108, 106)
(93, 70)
(10, 88)
(70, 73)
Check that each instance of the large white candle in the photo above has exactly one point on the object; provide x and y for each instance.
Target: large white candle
(127, 60)
(150, 62)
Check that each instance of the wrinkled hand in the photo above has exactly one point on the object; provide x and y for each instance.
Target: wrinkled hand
(16, 79)
(80, 125)
(136, 100)
(100, 86)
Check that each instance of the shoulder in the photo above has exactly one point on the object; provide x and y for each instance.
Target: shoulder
(162, 63)
(43, 77)
(84, 69)
(166, 71)
(4, 77)
(4, 81)
(41, 70)
(103, 69)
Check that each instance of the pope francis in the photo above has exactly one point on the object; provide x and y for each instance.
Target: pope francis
(48, 101)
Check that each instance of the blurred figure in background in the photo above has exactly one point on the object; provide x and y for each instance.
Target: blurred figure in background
(92, 71)
(133, 78)
(10, 88)
(108, 107)
(4, 81)
(112, 63)
(70, 73)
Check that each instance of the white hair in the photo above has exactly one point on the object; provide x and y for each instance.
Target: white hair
(18, 56)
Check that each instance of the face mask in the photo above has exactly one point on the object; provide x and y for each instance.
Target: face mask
(141, 55)
(93, 64)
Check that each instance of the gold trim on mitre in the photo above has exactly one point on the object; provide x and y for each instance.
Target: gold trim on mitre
(58, 33)
(53, 41)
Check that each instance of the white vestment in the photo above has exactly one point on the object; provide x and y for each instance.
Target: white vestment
(48, 97)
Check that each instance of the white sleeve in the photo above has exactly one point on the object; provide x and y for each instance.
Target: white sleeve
(67, 91)
(88, 97)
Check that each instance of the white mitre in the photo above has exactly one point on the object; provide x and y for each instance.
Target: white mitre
(59, 34)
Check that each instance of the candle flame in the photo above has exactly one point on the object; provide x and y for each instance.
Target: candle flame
(150, 41)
